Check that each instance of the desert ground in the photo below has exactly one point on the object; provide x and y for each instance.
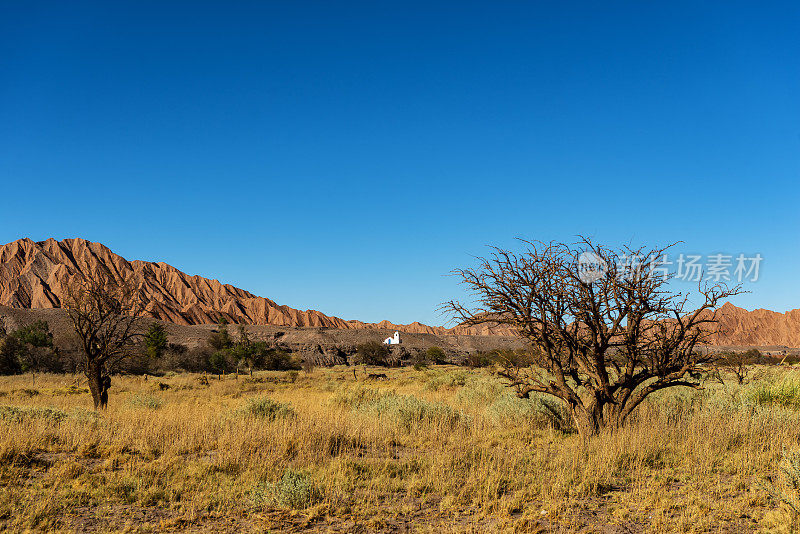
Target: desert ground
(440, 449)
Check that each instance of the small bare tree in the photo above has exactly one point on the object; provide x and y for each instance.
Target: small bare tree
(604, 328)
(106, 314)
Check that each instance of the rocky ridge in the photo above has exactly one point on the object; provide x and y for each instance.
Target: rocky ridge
(36, 275)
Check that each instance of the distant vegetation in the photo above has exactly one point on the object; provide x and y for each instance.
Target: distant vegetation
(373, 353)
(29, 348)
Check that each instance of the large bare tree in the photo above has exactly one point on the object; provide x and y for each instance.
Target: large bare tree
(106, 313)
(604, 326)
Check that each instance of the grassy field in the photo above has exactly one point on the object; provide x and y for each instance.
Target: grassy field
(438, 450)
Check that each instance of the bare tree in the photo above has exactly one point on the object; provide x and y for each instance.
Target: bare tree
(738, 363)
(106, 314)
(604, 328)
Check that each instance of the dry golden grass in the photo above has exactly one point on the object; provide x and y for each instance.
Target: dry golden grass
(441, 450)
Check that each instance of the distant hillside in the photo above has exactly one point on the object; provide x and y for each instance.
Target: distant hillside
(36, 275)
(758, 327)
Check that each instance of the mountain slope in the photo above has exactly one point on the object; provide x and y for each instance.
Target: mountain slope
(758, 327)
(37, 274)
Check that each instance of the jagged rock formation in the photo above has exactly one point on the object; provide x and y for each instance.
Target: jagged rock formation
(738, 326)
(37, 275)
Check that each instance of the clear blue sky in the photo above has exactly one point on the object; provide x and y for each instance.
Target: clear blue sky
(346, 157)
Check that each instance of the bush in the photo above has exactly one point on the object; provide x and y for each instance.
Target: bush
(436, 355)
(346, 397)
(420, 361)
(18, 414)
(220, 362)
(294, 490)
(177, 348)
(278, 360)
(480, 359)
(220, 339)
(407, 411)
(10, 360)
(373, 353)
(29, 348)
(541, 410)
(155, 340)
(785, 393)
(785, 487)
(145, 401)
(256, 355)
(138, 363)
(266, 408)
(447, 380)
(180, 357)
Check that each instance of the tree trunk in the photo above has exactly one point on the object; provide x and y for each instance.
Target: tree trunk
(595, 419)
(588, 422)
(94, 373)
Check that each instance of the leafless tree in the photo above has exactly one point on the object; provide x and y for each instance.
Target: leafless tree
(602, 338)
(738, 363)
(106, 314)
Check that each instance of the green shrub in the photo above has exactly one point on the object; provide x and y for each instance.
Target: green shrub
(409, 411)
(220, 362)
(145, 401)
(155, 340)
(18, 414)
(436, 355)
(785, 487)
(541, 410)
(447, 380)
(85, 416)
(354, 397)
(266, 408)
(504, 408)
(294, 490)
(474, 389)
(480, 359)
(785, 393)
(420, 361)
(406, 411)
(30, 348)
(373, 353)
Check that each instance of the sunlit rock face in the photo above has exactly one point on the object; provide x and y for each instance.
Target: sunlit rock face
(37, 275)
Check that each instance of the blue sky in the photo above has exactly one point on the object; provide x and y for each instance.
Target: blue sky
(346, 157)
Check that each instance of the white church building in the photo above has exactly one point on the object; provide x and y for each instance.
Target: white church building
(394, 340)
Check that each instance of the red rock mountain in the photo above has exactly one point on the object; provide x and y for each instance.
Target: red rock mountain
(758, 327)
(36, 275)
